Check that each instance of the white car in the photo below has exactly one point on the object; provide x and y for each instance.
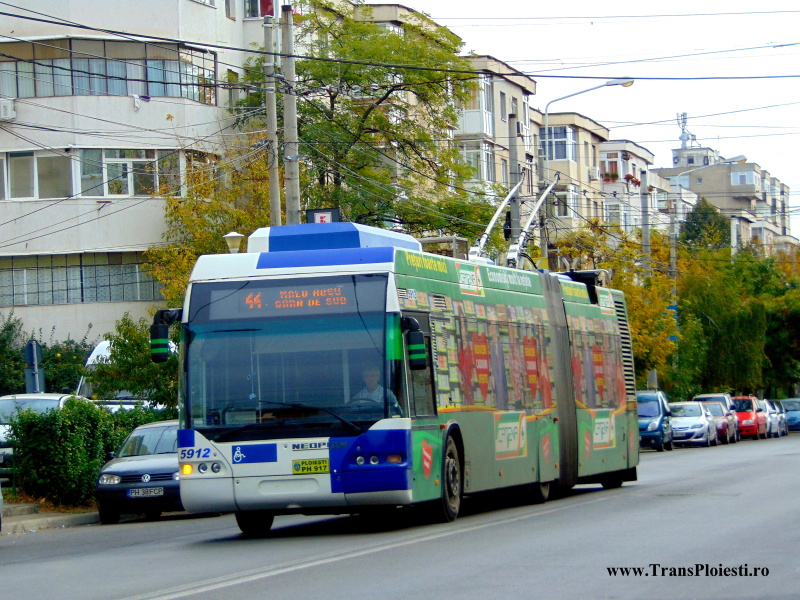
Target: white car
(12, 403)
(692, 424)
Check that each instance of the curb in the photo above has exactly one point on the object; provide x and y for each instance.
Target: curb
(39, 521)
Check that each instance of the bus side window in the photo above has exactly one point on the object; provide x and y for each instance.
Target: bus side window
(422, 386)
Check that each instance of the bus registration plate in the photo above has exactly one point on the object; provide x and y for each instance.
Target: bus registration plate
(306, 467)
(146, 492)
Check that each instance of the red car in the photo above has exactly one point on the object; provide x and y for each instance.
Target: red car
(752, 420)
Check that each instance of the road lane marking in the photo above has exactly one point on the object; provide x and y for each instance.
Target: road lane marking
(249, 576)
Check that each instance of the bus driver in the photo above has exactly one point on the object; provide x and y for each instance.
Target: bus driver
(374, 392)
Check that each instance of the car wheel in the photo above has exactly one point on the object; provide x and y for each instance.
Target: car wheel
(660, 447)
(255, 523)
(669, 445)
(727, 439)
(108, 516)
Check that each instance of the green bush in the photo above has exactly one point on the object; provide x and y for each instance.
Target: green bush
(59, 454)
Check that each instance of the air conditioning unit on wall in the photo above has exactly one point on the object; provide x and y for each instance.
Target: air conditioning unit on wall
(7, 111)
(594, 173)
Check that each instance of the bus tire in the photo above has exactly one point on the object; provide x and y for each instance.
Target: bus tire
(611, 481)
(255, 523)
(537, 492)
(452, 490)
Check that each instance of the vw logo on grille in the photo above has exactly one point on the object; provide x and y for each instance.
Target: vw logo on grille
(145, 478)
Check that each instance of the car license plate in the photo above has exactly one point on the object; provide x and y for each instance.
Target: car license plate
(306, 467)
(146, 492)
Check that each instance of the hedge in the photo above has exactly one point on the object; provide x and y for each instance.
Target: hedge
(59, 454)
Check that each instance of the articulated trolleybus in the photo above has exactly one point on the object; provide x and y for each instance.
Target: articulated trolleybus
(336, 368)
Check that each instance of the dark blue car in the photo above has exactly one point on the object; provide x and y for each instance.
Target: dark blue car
(655, 428)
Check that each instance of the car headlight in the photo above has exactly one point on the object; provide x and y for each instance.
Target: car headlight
(653, 425)
(697, 426)
(176, 475)
(109, 479)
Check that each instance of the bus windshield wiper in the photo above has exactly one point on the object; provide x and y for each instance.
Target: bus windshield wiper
(314, 407)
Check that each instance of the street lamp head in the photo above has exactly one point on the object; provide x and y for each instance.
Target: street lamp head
(623, 82)
(741, 159)
(234, 240)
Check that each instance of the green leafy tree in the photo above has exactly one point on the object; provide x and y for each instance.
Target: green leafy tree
(130, 369)
(64, 364)
(375, 138)
(12, 362)
(706, 226)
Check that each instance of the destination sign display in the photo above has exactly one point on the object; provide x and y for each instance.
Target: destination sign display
(289, 297)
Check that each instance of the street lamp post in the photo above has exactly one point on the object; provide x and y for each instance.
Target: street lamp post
(547, 138)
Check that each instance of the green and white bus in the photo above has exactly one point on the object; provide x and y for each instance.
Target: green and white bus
(336, 368)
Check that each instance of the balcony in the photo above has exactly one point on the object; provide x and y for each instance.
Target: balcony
(475, 123)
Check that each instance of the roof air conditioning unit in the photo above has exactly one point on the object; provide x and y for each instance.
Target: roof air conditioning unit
(594, 173)
(7, 111)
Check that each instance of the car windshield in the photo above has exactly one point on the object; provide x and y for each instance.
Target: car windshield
(648, 408)
(711, 398)
(716, 410)
(791, 404)
(743, 405)
(150, 440)
(685, 410)
(9, 406)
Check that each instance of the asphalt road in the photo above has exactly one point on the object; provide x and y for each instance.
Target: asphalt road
(723, 511)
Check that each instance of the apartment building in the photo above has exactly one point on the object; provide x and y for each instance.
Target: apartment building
(93, 123)
(573, 154)
(756, 202)
(631, 191)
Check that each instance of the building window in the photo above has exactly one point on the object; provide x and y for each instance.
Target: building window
(503, 107)
(567, 205)
(129, 172)
(609, 164)
(562, 143)
(480, 156)
(97, 68)
(258, 8)
(75, 279)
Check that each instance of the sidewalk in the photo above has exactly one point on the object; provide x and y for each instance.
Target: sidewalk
(26, 518)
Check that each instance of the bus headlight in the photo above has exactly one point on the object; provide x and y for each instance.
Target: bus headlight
(216, 467)
(187, 469)
(202, 468)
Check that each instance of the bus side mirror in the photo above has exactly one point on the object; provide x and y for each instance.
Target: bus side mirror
(415, 342)
(159, 333)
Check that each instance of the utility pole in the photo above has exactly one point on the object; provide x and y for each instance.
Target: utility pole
(291, 145)
(272, 122)
(645, 197)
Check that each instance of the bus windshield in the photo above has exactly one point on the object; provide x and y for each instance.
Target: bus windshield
(290, 369)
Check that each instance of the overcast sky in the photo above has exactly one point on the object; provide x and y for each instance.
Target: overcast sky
(757, 116)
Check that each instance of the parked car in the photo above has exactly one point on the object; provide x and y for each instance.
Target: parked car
(655, 428)
(780, 416)
(773, 421)
(143, 476)
(12, 403)
(726, 401)
(792, 408)
(725, 421)
(752, 420)
(693, 424)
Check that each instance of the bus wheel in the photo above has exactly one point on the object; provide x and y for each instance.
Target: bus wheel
(451, 482)
(612, 481)
(537, 493)
(255, 523)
